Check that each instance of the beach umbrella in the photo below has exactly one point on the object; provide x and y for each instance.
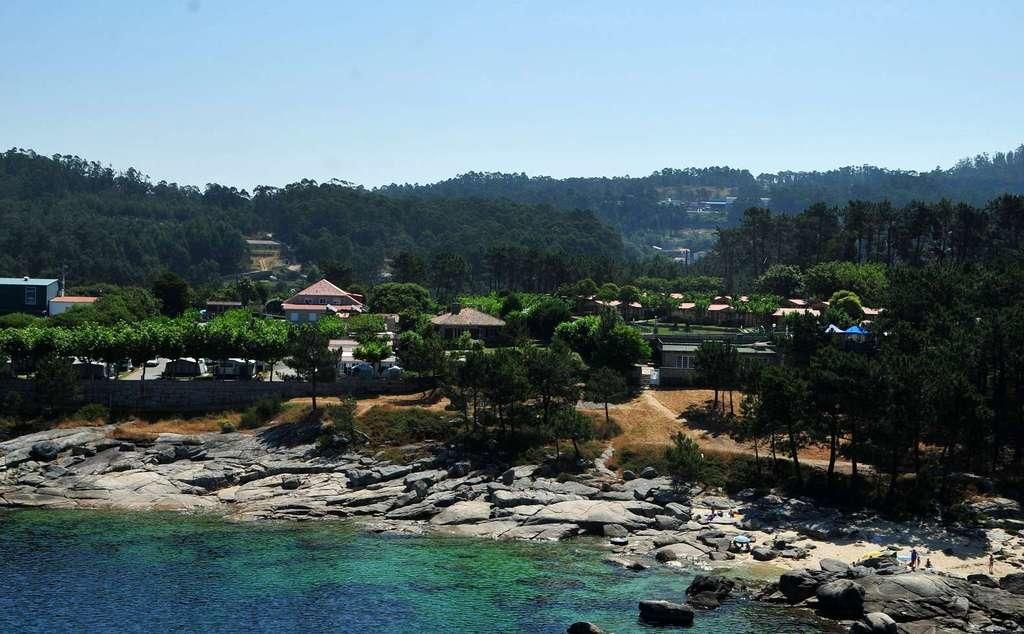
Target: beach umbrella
(742, 539)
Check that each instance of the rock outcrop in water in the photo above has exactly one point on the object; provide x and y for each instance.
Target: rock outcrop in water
(278, 474)
(888, 597)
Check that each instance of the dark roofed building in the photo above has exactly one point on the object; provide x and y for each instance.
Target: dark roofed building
(26, 295)
(461, 320)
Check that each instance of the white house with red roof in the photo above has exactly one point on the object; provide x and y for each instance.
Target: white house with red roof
(319, 299)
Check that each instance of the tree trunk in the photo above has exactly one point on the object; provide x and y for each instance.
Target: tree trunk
(795, 457)
(313, 384)
(607, 418)
(833, 442)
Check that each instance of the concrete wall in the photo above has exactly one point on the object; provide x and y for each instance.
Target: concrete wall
(200, 396)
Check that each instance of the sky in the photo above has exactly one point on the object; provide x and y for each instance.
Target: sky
(250, 93)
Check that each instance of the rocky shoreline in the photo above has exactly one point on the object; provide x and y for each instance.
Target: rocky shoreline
(278, 474)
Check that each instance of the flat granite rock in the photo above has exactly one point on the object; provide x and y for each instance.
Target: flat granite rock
(591, 512)
(463, 513)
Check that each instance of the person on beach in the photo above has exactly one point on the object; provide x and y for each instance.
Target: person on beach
(928, 563)
(913, 559)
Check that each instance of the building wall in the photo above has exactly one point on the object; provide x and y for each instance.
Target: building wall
(12, 298)
(204, 396)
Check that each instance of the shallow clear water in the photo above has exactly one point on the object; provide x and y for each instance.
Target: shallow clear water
(75, 571)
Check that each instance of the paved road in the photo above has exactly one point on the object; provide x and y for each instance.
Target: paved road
(151, 373)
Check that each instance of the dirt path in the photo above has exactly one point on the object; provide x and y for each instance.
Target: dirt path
(656, 415)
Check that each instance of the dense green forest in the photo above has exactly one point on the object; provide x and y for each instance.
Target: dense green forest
(637, 204)
(863, 232)
(104, 225)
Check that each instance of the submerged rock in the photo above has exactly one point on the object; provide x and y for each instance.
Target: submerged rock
(665, 613)
(708, 591)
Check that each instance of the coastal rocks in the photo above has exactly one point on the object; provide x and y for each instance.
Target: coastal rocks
(982, 580)
(665, 613)
(682, 551)
(996, 508)
(463, 513)
(290, 482)
(44, 451)
(708, 591)
(798, 585)
(841, 598)
(584, 627)
(592, 513)
(834, 566)
(1013, 582)
(760, 553)
(508, 499)
(875, 623)
(614, 530)
(516, 473)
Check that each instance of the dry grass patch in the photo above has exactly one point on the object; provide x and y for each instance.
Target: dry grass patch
(143, 430)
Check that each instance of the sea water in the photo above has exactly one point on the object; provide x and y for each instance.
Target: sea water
(95, 571)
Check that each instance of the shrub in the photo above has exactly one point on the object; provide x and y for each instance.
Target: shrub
(685, 460)
(92, 412)
(227, 427)
(402, 426)
(261, 412)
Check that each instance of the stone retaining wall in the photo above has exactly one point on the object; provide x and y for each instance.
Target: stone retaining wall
(197, 396)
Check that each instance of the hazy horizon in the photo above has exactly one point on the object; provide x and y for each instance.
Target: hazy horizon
(262, 94)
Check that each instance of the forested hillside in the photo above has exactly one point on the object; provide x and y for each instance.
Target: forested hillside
(631, 204)
(638, 204)
(111, 226)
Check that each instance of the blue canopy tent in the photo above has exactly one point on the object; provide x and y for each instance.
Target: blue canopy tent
(856, 330)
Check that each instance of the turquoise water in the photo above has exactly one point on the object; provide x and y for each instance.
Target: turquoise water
(75, 571)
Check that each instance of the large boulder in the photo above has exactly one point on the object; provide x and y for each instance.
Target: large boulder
(979, 579)
(996, 508)
(834, 566)
(761, 553)
(463, 513)
(1013, 582)
(593, 514)
(841, 598)
(799, 585)
(583, 627)
(875, 623)
(526, 497)
(923, 597)
(44, 451)
(708, 591)
(665, 613)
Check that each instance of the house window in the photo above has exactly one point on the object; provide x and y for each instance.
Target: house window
(294, 316)
(312, 316)
(684, 362)
(30, 295)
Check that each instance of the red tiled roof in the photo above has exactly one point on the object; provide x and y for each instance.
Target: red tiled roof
(323, 287)
(687, 306)
(467, 317)
(320, 308)
(714, 308)
(75, 299)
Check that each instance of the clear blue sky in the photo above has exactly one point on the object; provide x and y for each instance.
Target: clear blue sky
(250, 92)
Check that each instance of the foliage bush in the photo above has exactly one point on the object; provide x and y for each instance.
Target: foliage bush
(260, 413)
(92, 412)
(402, 426)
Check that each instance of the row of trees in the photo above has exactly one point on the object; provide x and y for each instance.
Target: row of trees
(869, 232)
(527, 395)
(936, 390)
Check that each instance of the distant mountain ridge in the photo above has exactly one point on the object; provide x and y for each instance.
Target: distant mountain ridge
(109, 226)
(632, 203)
